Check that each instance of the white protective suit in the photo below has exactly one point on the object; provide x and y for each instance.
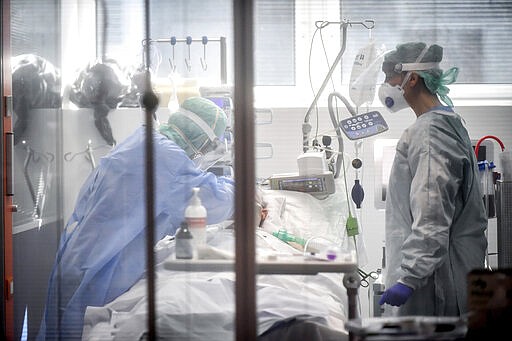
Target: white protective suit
(435, 216)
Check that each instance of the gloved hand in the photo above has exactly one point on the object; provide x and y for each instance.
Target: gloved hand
(396, 295)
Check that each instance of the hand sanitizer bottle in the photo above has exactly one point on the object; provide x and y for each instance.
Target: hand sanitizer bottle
(195, 216)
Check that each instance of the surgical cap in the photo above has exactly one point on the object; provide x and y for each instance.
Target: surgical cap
(435, 79)
(185, 132)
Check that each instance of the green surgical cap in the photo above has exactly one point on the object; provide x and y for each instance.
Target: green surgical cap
(435, 79)
(185, 132)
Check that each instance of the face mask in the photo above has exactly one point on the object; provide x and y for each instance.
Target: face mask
(392, 97)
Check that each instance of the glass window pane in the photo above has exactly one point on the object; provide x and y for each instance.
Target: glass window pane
(475, 34)
(274, 50)
(36, 92)
(274, 44)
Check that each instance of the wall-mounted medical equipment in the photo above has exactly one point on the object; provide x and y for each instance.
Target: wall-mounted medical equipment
(204, 40)
(497, 196)
(484, 153)
(88, 153)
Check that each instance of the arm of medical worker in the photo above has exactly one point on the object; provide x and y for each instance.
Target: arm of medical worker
(178, 175)
(435, 163)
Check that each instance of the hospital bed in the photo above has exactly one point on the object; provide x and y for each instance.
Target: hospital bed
(195, 300)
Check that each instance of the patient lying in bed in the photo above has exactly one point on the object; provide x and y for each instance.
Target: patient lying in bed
(201, 305)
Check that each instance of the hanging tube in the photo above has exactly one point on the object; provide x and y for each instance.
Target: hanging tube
(477, 147)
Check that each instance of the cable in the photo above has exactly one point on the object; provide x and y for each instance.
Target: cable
(309, 72)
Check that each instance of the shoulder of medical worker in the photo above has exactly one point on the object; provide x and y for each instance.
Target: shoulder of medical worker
(135, 142)
(446, 124)
(418, 136)
(431, 122)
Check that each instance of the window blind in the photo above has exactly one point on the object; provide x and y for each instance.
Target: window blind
(476, 35)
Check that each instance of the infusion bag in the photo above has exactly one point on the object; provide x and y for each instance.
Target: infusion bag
(363, 79)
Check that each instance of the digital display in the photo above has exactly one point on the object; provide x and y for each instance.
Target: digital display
(222, 102)
(302, 185)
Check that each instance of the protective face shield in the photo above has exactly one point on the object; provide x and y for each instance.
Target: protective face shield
(210, 151)
(199, 128)
(392, 97)
(210, 154)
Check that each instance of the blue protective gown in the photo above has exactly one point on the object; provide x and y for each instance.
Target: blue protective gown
(435, 216)
(102, 249)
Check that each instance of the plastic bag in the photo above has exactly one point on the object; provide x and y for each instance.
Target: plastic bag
(363, 79)
(36, 83)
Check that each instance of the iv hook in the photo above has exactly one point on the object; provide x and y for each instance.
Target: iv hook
(203, 59)
(173, 64)
(187, 60)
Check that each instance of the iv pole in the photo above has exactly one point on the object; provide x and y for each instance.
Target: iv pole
(306, 126)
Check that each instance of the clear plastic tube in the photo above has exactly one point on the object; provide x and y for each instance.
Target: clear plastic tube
(319, 244)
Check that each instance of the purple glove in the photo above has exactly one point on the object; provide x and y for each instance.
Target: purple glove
(396, 295)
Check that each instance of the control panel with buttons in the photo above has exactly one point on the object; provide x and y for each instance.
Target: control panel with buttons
(364, 125)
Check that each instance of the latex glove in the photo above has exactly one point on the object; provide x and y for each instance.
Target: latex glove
(396, 295)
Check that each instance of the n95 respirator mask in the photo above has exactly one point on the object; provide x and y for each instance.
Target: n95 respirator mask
(392, 97)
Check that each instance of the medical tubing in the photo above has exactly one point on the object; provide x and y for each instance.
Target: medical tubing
(336, 124)
(283, 235)
(477, 146)
(305, 132)
(318, 245)
(332, 82)
(346, 187)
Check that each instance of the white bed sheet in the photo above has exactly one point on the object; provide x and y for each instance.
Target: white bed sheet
(201, 305)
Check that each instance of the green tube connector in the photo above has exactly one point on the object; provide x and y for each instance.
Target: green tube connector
(288, 237)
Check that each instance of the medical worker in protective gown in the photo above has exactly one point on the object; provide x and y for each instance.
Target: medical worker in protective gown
(102, 249)
(435, 216)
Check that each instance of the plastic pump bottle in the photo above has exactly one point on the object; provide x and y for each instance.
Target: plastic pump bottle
(195, 216)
